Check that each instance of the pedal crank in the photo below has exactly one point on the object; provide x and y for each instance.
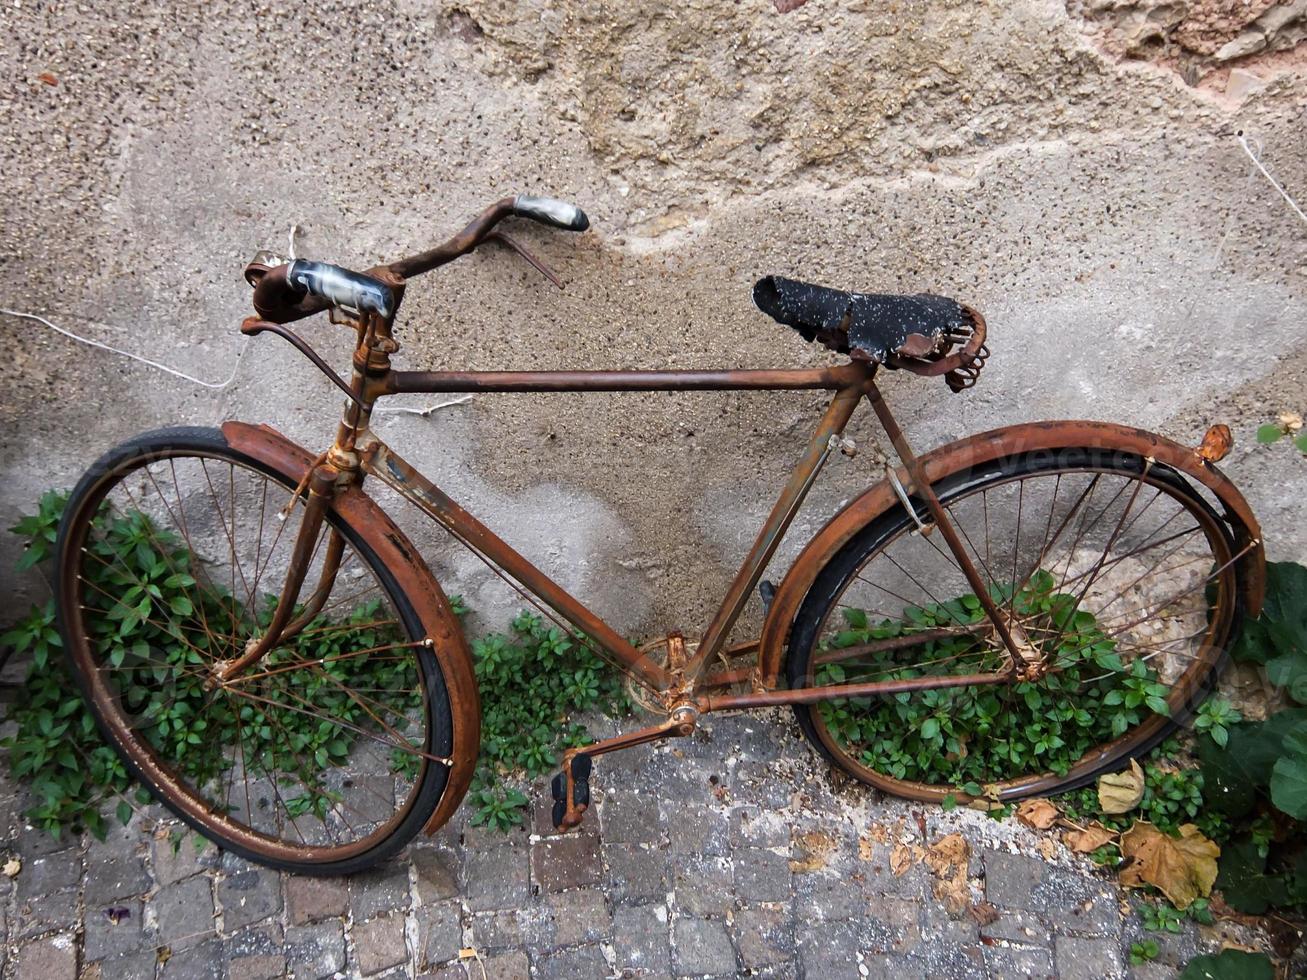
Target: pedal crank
(571, 787)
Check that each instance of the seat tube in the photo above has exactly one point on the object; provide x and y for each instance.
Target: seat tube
(921, 484)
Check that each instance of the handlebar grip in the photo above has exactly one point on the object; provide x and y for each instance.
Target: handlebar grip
(340, 287)
(550, 211)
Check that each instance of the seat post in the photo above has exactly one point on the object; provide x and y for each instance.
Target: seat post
(920, 483)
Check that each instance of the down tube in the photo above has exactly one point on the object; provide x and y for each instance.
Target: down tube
(379, 461)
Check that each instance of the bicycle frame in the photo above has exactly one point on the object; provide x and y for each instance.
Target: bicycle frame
(849, 384)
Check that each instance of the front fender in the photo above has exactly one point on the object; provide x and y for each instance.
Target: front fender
(419, 585)
(986, 448)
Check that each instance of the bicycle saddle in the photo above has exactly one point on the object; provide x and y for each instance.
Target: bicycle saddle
(866, 326)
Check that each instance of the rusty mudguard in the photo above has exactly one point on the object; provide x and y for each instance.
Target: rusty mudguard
(433, 610)
(986, 448)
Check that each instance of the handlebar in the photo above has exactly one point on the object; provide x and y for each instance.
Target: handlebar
(283, 293)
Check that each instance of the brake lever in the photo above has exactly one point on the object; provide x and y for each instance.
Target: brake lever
(520, 249)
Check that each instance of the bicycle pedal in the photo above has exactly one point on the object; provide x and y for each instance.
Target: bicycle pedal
(569, 807)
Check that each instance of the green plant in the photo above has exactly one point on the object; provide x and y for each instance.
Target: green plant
(1289, 426)
(969, 736)
(1229, 964)
(1257, 782)
(1162, 916)
(56, 746)
(533, 681)
(1215, 717)
(1143, 952)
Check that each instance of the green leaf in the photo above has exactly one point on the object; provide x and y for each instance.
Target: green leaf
(1289, 775)
(1301, 443)
(1243, 881)
(1229, 964)
(1269, 433)
(124, 812)
(930, 728)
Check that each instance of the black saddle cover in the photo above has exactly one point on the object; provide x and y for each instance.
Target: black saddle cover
(866, 326)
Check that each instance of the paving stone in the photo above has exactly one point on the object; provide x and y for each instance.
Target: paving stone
(378, 890)
(761, 876)
(1087, 959)
(106, 935)
(310, 899)
(945, 961)
(938, 925)
(379, 943)
(696, 828)
(702, 886)
(32, 843)
(1018, 926)
(752, 826)
(827, 949)
(560, 863)
(627, 817)
(636, 872)
(880, 880)
(702, 947)
(581, 963)
(497, 877)
(764, 937)
(577, 917)
(496, 930)
(184, 913)
(265, 966)
(58, 910)
(829, 896)
(202, 962)
(188, 855)
(892, 924)
(139, 965)
(1098, 915)
(437, 871)
(505, 966)
(1014, 963)
(256, 953)
(1010, 879)
(641, 939)
(759, 784)
(316, 951)
(248, 897)
(50, 873)
(52, 958)
(115, 877)
(440, 933)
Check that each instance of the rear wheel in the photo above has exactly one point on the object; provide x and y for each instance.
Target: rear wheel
(1118, 579)
(325, 756)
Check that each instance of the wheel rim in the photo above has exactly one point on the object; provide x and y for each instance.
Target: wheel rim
(1148, 562)
(316, 753)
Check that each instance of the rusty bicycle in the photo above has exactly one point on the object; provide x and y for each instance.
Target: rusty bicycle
(273, 626)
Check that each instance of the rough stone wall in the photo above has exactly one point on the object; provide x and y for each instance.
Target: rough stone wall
(1068, 169)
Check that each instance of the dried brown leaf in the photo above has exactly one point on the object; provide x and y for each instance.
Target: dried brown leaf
(1183, 867)
(947, 859)
(1088, 840)
(1047, 847)
(12, 867)
(985, 913)
(900, 859)
(1120, 792)
(1038, 813)
(864, 848)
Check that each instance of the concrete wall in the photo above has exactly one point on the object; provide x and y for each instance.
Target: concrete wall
(1070, 169)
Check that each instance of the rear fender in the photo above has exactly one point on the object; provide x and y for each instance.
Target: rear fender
(986, 448)
(429, 602)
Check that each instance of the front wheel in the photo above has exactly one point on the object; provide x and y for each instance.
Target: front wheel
(323, 757)
(1117, 578)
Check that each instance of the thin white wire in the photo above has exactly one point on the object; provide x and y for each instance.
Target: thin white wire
(1243, 142)
(128, 354)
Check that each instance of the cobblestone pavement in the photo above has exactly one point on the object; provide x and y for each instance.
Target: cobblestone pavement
(722, 855)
